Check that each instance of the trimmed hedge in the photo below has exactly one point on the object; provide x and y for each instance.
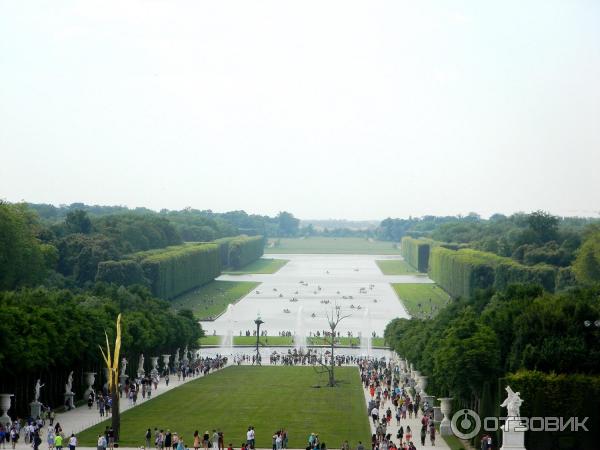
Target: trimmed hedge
(224, 249)
(415, 252)
(463, 271)
(245, 249)
(174, 270)
(511, 272)
(558, 395)
(125, 272)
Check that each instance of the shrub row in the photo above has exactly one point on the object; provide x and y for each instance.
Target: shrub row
(168, 272)
(544, 395)
(416, 252)
(461, 272)
(245, 249)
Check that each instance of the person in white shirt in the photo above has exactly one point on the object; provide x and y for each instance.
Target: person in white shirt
(375, 415)
(72, 442)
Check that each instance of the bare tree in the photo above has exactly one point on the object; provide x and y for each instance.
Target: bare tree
(333, 320)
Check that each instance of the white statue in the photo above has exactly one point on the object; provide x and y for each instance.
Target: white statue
(512, 403)
(38, 387)
(69, 385)
(123, 366)
(141, 364)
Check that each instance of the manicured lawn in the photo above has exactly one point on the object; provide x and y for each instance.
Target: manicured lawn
(346, 341)
(264, 340)
(211, 340)
(395, 267)
(262, 265)
(357, 246)
(210, 300)
(420, 299)
(268, 398)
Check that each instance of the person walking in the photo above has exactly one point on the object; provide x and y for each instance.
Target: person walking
(58, 441)
(50, 437)
(148, 436)
(215, 440)
(196, 440)
(72, 442)
(101, 445)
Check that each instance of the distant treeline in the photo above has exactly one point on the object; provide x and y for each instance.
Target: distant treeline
(538, 250)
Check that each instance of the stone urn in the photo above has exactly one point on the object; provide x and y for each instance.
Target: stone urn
(90, 379)
(166, 359)
(4, 407)
(446, 407)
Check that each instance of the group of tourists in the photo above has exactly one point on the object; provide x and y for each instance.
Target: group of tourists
(32, 432)
(390, 400)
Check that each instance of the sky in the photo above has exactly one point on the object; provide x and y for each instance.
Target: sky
(328, 109)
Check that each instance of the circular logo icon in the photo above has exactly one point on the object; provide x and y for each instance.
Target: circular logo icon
(465, 423)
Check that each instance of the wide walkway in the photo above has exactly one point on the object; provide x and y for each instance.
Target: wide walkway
(82, 417)
(414, 424)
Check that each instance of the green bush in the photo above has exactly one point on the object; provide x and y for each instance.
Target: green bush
(511, 272)
(558, 395)
(125, 272)
(224, 249)
(463, 271)
(174, 270)
(416, 252)
(245, 249)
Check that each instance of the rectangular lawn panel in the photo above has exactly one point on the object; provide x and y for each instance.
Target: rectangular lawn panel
(395, 267)
(267, 397)
(210, 300)
(420, 298)
(323, 245)
(262, 265)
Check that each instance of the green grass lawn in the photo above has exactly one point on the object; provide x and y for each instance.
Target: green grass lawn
(346, 341)
(414, 294)
(357, 246)
(210, 340)
(262, 265)
(210, 300)
(454, 443)
(268, 398)
(395, 267)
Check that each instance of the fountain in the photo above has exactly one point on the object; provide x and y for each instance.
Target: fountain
(300, 333)
(227, 339)
(366, 346)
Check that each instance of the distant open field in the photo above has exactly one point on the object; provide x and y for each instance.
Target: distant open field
(421, 300)
(210, 300)
(269, 398)
(262, 265)
(357, 246)
(288, 341)
(395, 267)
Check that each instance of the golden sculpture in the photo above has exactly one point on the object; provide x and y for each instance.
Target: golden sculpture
(113, 365)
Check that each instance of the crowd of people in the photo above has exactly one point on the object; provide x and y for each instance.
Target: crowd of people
(389, 401)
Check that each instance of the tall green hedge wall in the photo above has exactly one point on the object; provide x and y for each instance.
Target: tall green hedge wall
(461, 272)
(178, 269)
(245, 249)
(125, 272)
(224, 249)
(415, 252)
(558, 395)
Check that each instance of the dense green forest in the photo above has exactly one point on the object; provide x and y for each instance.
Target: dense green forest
(65, 274)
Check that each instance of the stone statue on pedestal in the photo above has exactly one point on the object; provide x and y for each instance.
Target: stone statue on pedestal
(123, 366)
(141, 371)
(38, 387)
(69, 384)
(513, 434)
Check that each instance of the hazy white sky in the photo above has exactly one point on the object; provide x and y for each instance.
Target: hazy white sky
(328, 109)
